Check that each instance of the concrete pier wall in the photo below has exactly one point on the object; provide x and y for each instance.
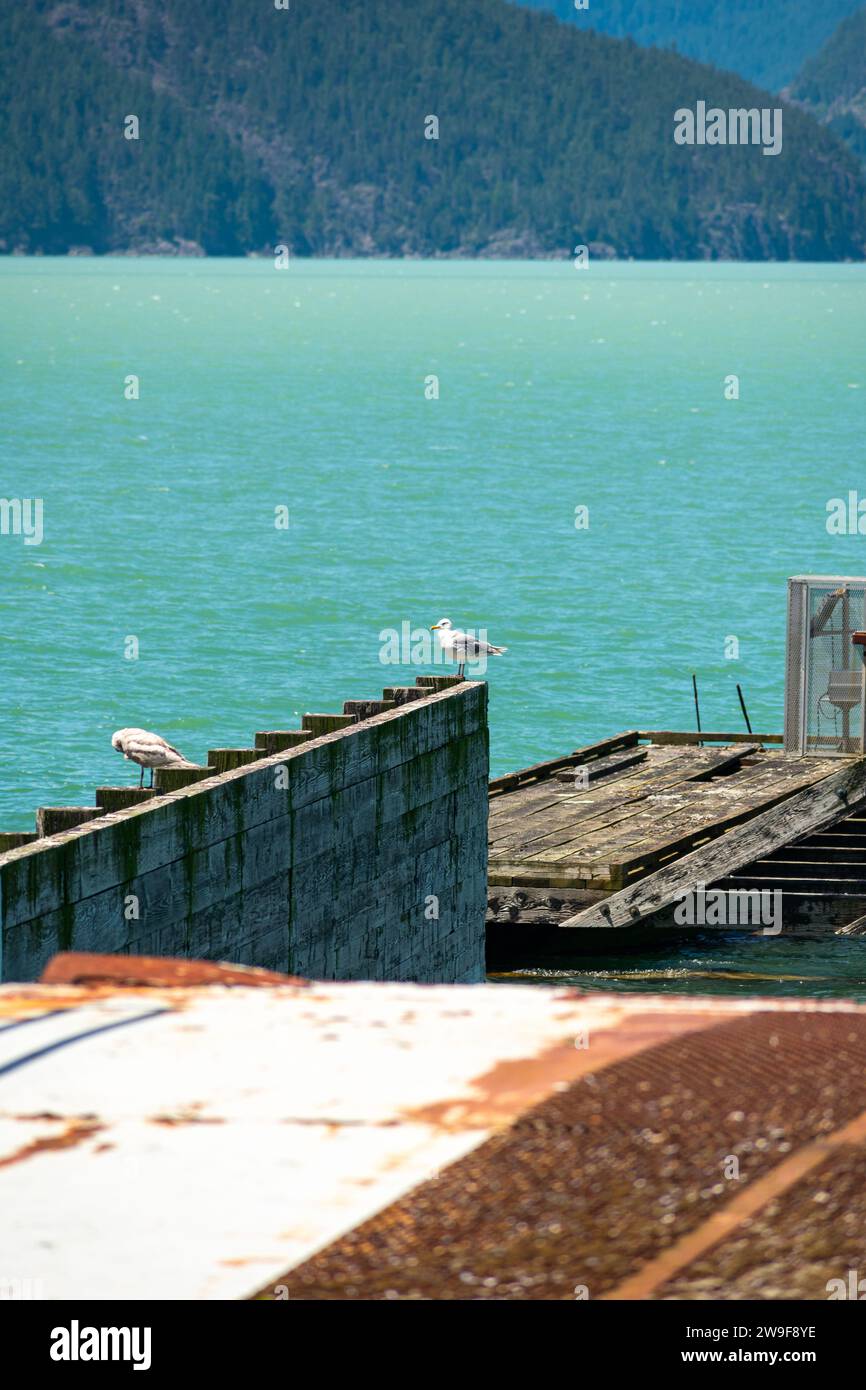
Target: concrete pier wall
(359, 854)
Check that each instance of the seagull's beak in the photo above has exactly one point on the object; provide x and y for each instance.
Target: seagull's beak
(435, 627)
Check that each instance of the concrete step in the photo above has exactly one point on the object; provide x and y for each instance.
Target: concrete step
(438, 682)
(227, 759)
(110, 799)
(14, 839)
(55, 820)
(174, 779)
(319, 724)
(366, 709)
(281, 740)
(405, 694)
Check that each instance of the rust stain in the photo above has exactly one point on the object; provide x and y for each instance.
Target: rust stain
(85, 968)
(512, 1087)
(722, 1223)
(241, 1260)
(48, 999)
(601, 1177)
(76, 1132)
(73, 979)
(22, 1005)
(186, 1117)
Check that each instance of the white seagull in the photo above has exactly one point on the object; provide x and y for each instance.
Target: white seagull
(148, 750)
(462, 646)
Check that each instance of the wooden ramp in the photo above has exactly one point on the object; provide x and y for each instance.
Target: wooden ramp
(612, 834)
(759, 855)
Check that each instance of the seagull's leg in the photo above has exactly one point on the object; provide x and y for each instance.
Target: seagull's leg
(141, 779)
(460, 671)
(151, 779)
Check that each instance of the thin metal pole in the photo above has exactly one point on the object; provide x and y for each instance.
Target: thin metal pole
(743, 708)
(697, 707)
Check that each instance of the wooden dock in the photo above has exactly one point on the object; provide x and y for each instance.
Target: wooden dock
(611, 835)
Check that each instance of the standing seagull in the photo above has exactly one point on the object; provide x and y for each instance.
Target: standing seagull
(148, 750)
(462, 646)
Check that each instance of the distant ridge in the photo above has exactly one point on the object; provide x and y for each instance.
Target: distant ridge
(766, 41)
(306, 127)
(832, 85)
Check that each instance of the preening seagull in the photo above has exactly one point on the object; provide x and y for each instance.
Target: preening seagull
(148, 750)
(462, 646)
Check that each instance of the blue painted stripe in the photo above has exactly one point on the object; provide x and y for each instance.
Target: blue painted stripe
(78, 1037)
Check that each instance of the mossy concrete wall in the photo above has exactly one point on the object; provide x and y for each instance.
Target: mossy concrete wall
(359, 855)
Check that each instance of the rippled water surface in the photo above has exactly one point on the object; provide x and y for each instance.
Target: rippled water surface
(305, 389)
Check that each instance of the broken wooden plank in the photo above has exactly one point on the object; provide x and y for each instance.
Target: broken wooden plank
(710, 766)
(544, 819)
(534, 905)
(581, 755)
(811, 808)
(855, 928)
(662, 736)
(600, 768)
(668, 820)
(726, 762)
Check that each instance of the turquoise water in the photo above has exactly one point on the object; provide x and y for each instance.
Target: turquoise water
(305, 388)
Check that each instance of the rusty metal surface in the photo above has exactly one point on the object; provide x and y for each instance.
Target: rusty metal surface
(194, 1142)
(86, 968)
(808, 1231)
(599, 1180)
(179, 1141)
(796, 1247)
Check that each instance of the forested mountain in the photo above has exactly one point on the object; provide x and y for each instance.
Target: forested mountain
(765, 40)
(307, 126)
(832, 85)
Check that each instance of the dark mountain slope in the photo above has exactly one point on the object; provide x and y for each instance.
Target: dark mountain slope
(832, 85)
(306, 126)
(766, 41)
(68, 176)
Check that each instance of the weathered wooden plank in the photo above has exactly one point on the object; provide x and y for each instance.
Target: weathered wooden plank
(811, 808)
(227, 759)
(646, 826)
(726, 761)
(662, 736)
(605, 836)
(571, 876)
(855, 928)
(54, 820)
(602, 806)
(600, 768)
(110, 799)
(534, 905)
(14, 839)
(319, 724)
(272, 741)
(705, 829)
(541, 770)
